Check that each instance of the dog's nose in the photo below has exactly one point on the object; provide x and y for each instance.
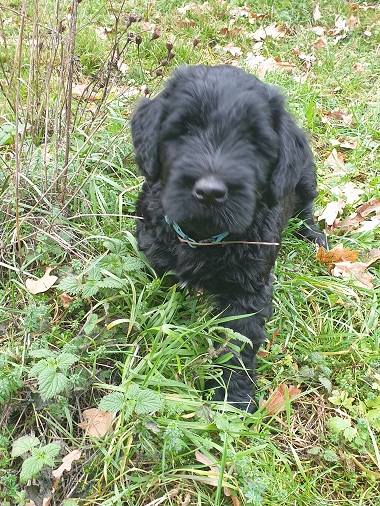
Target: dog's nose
(210, 190)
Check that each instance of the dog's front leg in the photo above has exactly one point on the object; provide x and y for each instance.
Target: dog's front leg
(237, 383)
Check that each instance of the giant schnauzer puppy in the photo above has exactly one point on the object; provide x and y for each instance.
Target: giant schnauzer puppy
(225, 168)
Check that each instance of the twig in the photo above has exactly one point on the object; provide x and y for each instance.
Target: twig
(221, 243)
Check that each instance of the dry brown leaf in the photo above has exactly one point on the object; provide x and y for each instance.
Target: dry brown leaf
(277, 400)
(316, 12)
(332, 211)
(271, 30)
(320, 43)
(309, 59)
(81, 91)
(274, 31)
(352, 22)
(263, 65)
(234, 50)
(356, 270)
(337, 114)
(259, 34)
(214, 480)
(372, 206)
(337, 254)
(66, 298)
(319, 30)
(41, 285)
(360, 67)
(335, 160)
(203, 459)
(66, 463)
(367, 226)
(96, 422)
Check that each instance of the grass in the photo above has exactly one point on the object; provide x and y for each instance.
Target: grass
(134, 345)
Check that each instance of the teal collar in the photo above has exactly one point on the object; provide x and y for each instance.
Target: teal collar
(178, 230)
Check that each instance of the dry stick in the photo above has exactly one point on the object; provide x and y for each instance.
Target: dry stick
(17, 111)
(222, 243)
(71, 52)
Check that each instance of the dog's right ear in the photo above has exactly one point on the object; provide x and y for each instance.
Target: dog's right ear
(145, 135)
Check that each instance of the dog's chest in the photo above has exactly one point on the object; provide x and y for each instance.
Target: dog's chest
(213, 267)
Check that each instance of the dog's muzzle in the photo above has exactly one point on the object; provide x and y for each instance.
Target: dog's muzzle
(210, 191)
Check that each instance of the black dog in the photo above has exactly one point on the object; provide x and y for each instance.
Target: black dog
(224, 163)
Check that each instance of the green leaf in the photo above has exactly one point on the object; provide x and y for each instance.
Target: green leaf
(47, 453)
(232, 335)
(65, 360)
(42, 353)
(30, 468)
(24, 444)
(91, 323)
(148, 402)
(90, 288)
(36, 370)
(110, 282)
(338, 424)
(330, 456)
(133, 391)
(70, 285)
(326, 383)
(118, 246)
(350, 433)
(112, 402)
(132, 264)
(51, 383)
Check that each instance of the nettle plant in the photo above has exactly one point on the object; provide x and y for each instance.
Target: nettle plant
(51, 371)
(109, 271)
(35, 455)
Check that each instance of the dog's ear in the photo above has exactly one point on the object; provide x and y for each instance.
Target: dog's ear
(294, 152)
(145, 135)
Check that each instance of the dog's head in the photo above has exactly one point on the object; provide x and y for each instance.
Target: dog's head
(220, 142)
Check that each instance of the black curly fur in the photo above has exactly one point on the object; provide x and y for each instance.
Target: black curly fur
(221, 154)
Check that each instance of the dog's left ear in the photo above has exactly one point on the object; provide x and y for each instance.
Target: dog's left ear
(145, 135)
(294, 152)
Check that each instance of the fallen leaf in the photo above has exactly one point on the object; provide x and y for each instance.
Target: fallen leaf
(272, 30)
(66, 463)
(309, 59)
(337, 114)
(66, 299)
(360, 67)
(41, 285)
(103, 32)
(337, 254)
(234, 50)
(275, 31)
(214, 480)
(352, 22)
(81, 91)
(96, 422)
(259, 34)
(263, 65)
(335, 160)
(352, 193)
(372, 206)
(332, 211)
(319, 30)
(367, 226)
(316, 12)
(203, 459)
(356, 270)
(277, 400)
(320, 43)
